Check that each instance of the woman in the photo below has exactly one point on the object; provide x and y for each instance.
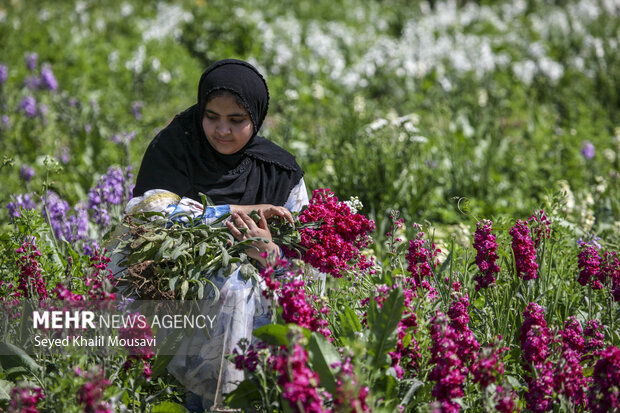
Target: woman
(213, 148)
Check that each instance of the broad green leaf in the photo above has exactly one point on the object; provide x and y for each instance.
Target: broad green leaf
(273, 334)
(12, 356)
(173, 282)
(382, 323)
(323, 355)
(169, 407)
(243, 396)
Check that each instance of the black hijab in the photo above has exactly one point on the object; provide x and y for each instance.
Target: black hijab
(181, 160)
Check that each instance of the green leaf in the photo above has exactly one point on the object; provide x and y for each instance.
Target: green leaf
(166, 351)
(273, 334)
(323, 355)
(173, 282)
(350, 323)
(243, 396)
(5, 389)
(184, 288)
(382, 323)
(12, 356)
(169, 407)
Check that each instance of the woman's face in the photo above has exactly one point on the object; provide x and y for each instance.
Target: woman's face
(227, 126)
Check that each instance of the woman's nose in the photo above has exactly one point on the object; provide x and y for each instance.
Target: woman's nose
(223, 128)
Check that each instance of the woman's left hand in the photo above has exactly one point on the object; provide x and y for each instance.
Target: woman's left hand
(242, 227)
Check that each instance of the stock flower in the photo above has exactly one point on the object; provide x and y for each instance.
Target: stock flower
(587, 150)
(26, 173)
(20, 202)
(605, 388)
(350, 396)
(29, 106)
(568, 377)
(24, 399)
(541, 226)
(111, 189)
(90, 394)
(137, 328)
(30, 277)
(506, 401)
(467, 345)
(101, 278)
(589, 263)
(524, 251)
(535, 339)
(298, 381)
(246, 355)
(594, 339)
(448, 370)
(31, 59)
(335, 246)
(55, 211)
(136, 109)
(419, 261)
(610, 272)
(4, 74)
(47, 78)
(486, 247)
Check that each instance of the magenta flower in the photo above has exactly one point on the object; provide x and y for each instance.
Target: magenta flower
(541, 226)
(137, 328)
(448, 372)
(610, 273)
(568, 377)
(486, 247)
(90, 394)
(488, 366)
(419, 261)
(467, 345)
(24, 398)
(524, 251)
(594, 338)
(335, 246)
(298, 381)
(30, 278)
(589, 263)
(350, 395)
(605, 388)
(535, 339)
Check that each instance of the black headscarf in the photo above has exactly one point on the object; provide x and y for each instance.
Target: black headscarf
(181, 160)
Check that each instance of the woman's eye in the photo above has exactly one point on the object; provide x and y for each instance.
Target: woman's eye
(210, 117)
(236, 121)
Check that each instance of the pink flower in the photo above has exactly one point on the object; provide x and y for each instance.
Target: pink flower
(524, 251)
(136, 327)
(594, 339)
(488, 366)
(350, 396)
(610, 272)
(467, 345)
(605, 388)
(486, 247)
(540, 225)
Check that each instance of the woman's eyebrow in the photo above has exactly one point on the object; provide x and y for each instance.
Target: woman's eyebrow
(230, 114)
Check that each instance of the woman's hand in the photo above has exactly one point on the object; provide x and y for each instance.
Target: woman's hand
(267, 209)
(242, 227)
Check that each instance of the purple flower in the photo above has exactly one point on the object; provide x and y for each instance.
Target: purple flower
(26, 173)
(20, 202)
(136, 109)
(587, 150)
(47, 77)
(32, 82)
(88, 128)
(31, 61)
(73, 102)
(4, 74)
(78, 224)
(6, 122)
(55, 211)
(111, 189)
(29, 106)
(124, 138)
(63, 155)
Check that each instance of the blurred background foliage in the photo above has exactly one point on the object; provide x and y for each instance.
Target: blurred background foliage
(433, 108)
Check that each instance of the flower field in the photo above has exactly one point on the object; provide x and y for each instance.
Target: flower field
(464, 258)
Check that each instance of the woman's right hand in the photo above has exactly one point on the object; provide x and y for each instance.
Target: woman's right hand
(267, 210)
